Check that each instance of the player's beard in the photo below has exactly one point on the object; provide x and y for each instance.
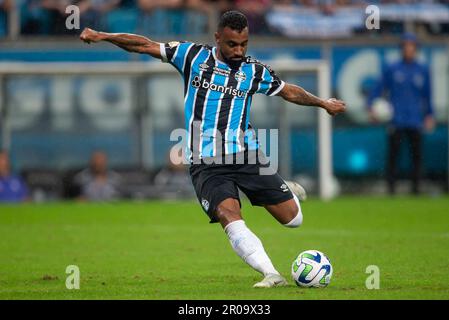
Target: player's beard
(234, 64)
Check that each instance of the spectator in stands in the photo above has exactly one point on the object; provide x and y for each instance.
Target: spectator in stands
(255, 11)
(174, 17)
(55, 14)
(97, 182)
(94, 12)
(12, 187)
(198, 13)
(35, 19)
(161, 17)
(5, 7)
(49, 16)
(330, 7)
(286, 4)
(46, 16)
(127, 3)
(221, 6)
(174, 180)
(309, 3)
(408, 84)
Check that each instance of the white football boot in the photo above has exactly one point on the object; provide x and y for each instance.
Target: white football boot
(297, 190)
(271, 280)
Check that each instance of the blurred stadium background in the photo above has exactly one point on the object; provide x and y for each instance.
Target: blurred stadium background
(56, 110)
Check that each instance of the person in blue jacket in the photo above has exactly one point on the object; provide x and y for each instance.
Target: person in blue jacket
(408, 87)
(12, 187)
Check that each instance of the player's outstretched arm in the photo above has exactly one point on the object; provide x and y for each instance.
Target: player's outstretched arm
(126, 41)
(298, 95)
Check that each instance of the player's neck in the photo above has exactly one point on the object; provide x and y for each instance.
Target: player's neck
(232, 64)
(219, 55)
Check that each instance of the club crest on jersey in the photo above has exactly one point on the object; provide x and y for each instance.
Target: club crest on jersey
(240, 76)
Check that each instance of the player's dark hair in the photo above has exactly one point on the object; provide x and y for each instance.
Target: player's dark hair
(234, 20)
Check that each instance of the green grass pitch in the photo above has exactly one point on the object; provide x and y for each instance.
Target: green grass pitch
(160, 250)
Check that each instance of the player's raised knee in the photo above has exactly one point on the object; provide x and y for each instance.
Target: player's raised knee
(296, 221)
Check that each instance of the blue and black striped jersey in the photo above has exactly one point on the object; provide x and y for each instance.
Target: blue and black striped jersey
(217, 98)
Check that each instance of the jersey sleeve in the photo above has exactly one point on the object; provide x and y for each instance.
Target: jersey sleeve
(176, 53)
(270, 84)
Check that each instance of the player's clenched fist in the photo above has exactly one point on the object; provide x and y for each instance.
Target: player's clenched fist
(88, 35)
(334, 106)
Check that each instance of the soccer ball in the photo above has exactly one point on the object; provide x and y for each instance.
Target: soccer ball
(382, 110)
(312, 269)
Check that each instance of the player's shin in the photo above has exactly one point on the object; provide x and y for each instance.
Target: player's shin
(249, 247)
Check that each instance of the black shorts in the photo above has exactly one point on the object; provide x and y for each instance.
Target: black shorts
(214, 183)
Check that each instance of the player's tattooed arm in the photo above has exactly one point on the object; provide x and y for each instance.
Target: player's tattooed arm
(126, 41)
(298, 95)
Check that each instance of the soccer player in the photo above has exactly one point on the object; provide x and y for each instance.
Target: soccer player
(219, 83)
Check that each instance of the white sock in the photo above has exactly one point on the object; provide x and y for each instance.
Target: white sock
(249, 247)
(296, 221)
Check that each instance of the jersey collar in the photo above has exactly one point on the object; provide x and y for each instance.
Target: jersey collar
(214, 54)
